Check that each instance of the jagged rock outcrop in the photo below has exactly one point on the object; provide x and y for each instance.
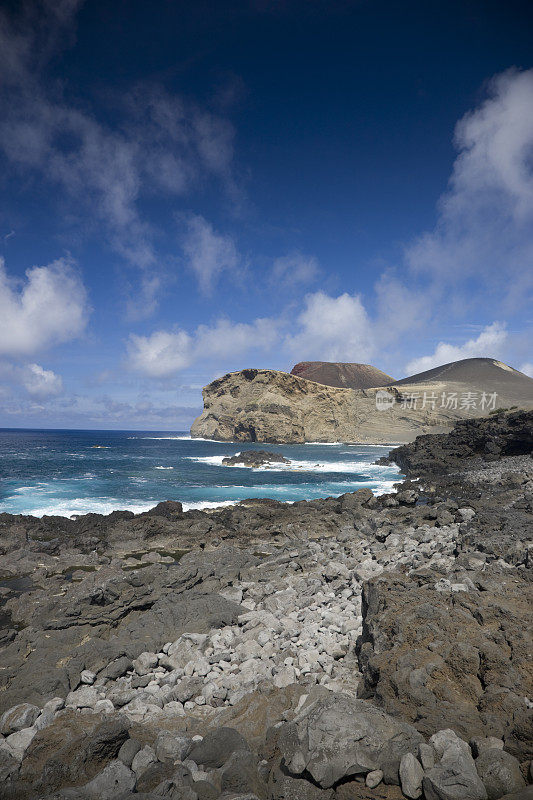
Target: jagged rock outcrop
(254, 458)
(341, 375)
(261, 405)
(503, 434)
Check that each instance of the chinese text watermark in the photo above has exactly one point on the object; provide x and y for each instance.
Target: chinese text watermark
(431, 401)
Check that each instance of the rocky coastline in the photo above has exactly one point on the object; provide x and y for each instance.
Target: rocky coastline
(350, 648)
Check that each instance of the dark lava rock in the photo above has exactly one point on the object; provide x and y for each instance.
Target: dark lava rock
(449, 660)
(217, 746)
(504, 434)
(255, 458)
(72, 632)
(500, 773)
(72, 750)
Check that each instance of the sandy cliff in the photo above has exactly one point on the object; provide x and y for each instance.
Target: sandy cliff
(269, 406)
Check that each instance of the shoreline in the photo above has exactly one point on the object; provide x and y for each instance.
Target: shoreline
(201, 505)
(88, 479)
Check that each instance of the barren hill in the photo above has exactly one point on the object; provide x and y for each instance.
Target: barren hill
(342, 375)
(477, 374)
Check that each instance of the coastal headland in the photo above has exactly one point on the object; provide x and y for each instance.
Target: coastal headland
(262, 405)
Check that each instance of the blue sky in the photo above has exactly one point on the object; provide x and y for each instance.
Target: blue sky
(192, 188)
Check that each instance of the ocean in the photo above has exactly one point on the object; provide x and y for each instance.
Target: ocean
(61, 472)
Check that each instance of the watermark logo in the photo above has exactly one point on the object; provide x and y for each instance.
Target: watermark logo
(430, 401)
(384, 400)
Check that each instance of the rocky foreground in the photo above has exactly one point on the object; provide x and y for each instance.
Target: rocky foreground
(346, 648)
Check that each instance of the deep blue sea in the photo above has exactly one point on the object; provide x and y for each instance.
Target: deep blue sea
(75, 472)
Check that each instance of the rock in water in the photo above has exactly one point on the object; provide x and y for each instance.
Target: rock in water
(255, 458)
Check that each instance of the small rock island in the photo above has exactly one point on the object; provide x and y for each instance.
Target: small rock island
(254, 458)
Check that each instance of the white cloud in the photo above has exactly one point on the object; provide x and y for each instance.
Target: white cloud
(488, 344)
(294, 269)
(166, 353)
(40, 382)
(228, 338)
(527, 369)
(485, 222)
(333, 329)
(208, 253)
(49, 307)
(161, 354)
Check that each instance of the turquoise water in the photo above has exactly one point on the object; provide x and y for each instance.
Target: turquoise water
(76, 472)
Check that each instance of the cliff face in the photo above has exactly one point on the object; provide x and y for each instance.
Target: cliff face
(342, 375)
(260, 405)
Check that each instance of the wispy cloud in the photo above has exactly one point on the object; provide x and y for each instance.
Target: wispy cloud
(294, 269)
(40, 382)
(162, 144)
(208, 253)
(485, 222)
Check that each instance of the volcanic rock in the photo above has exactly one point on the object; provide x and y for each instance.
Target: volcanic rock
(259, 405)
(255, 458)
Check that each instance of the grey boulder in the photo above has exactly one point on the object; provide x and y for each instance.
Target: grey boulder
(454, 777)
(522, 794)
(178, 787)
(216, 748)
(109, 784)
(128, 751)
(143, 759)
(171, 747)
(8, 766)
(19, 742)
(18, 717)
(411, 775)
(500, 773)
(479, 744)
(338, 736)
